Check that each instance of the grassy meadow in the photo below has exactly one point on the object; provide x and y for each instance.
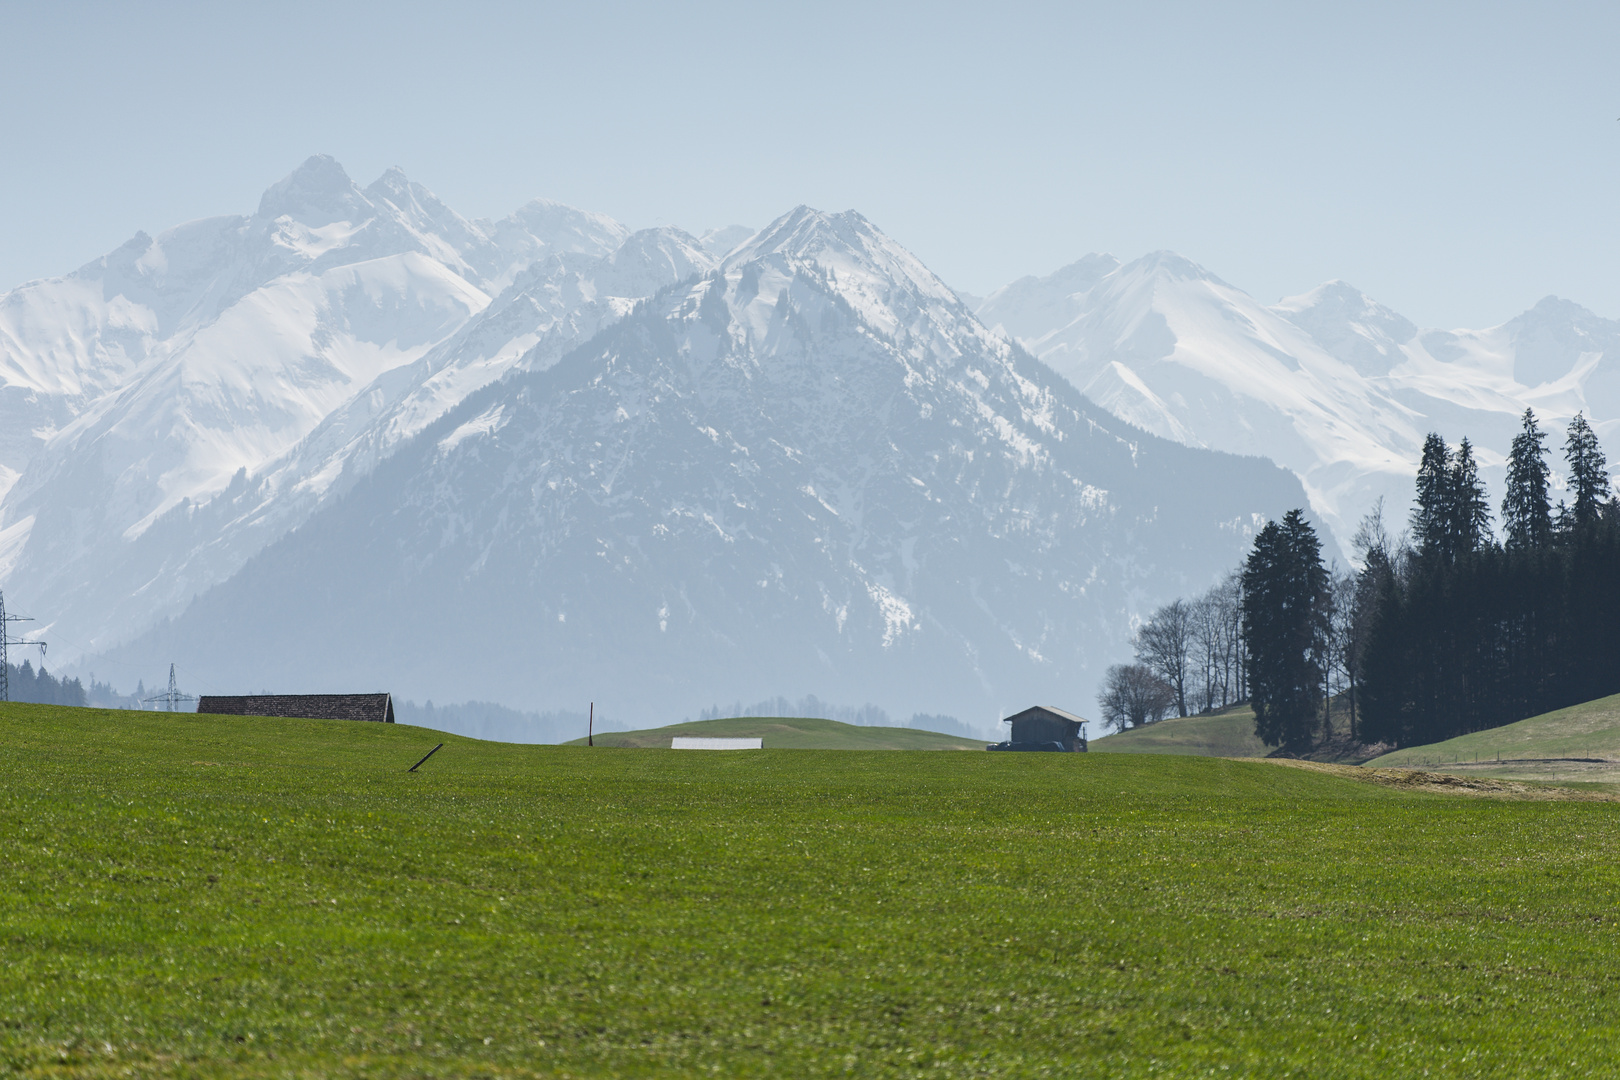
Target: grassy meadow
(792, 733)
(196, 896)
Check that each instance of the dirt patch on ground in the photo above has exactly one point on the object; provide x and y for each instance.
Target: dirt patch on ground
(1449, 784)
(1340, 749)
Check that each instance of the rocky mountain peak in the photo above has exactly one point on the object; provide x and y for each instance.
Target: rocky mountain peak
(317, 193)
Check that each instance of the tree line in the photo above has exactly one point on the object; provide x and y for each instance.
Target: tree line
(1282, 632)
(1473, 631)
(1443, 631)
(1189, 658)
(41, 687)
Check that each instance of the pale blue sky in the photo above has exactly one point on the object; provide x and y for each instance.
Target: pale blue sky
(1456, 161)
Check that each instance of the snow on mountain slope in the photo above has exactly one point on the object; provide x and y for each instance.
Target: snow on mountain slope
(1165, 344)
(542, 228)
(203, 536)
(719, 242)
(1032, 307)
(219, 378)
(551, 308)
(223, 397)
(1330, 384)
(1349, 325)
(1557, 358)
(809, 471)
(66, 341)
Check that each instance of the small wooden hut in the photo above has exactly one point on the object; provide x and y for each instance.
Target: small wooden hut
(1043, 727)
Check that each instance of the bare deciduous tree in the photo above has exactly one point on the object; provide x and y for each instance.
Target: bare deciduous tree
(1132, 695)
(1206, 651)
(1217, 623)
(1343, 648)
(1162, 645)
(1355, 604)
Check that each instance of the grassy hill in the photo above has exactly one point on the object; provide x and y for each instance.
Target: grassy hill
(1590, 730)
(231, 897)
(1228, 733)
(793, 733)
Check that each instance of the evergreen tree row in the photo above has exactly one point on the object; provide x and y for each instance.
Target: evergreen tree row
(1470, 632)
(1445, 631)
(41, 687)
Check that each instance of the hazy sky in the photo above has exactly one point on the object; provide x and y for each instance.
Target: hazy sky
(1456, 161)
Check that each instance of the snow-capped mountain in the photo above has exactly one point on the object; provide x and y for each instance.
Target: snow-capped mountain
(193, 397)
(67, 341)
(720, 242)
(1330, 384)
(810, 470)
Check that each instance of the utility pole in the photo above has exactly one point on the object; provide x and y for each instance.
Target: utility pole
(590, 727)
(172, 696)
(6, 640)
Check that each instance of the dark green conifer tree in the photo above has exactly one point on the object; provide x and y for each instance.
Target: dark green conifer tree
(1588, 472)
(1592, 633)
(1285, 624)
(1430, 513)
(1526, 515)
(1468, 511)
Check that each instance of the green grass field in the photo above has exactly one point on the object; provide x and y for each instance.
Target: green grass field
(224, 897)
(792, 733)
(1228, 733)
(1590, 730)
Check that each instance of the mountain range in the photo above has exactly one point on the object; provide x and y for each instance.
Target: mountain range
(810, 467)
(354, 435)
(256, 366)
(1330, 384)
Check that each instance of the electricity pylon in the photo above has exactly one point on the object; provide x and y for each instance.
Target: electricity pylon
(7, 640)
(173, 695)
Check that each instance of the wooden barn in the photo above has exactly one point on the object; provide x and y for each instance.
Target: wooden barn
(1044, 728)
(378, 708)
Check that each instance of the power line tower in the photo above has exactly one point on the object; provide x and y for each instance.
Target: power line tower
(172, 696)
(7, 640)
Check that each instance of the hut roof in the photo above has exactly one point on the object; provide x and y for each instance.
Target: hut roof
(1061, 714)
(375, 707)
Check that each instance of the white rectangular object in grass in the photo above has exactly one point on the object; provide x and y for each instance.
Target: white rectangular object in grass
(693, 742)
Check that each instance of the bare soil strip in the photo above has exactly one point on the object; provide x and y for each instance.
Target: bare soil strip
(1448, 784)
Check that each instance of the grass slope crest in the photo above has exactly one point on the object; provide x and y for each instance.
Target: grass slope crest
(1578, 744)
(791, 733)
(1227, 733)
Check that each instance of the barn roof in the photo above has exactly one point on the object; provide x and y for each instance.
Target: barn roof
(376, 707)
(1061, 714)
